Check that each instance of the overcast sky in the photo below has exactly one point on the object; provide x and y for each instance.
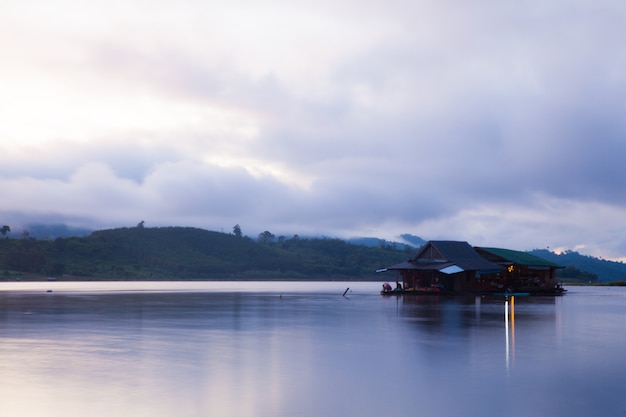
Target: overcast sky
(501, 123)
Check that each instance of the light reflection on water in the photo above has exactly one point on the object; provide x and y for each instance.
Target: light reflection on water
(302, 349)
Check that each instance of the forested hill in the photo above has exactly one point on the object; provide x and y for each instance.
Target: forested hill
(140, 253)
(606, 271)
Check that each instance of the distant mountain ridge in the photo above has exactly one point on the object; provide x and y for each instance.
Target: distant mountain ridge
(49, 231)
(606, 271)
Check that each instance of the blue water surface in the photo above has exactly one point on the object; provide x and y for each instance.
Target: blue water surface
(243, 349)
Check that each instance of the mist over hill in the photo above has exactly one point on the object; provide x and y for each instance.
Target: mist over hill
(404, 241)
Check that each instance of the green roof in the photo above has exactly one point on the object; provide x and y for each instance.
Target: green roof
(520, 258)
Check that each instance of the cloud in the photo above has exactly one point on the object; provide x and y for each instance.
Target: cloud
(496, 123)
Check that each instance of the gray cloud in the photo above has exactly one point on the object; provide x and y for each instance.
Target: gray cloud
(498, 123)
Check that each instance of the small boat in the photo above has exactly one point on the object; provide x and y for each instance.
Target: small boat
(420, 291)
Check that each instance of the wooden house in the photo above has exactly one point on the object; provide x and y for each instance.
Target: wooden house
(444, 266)
(521, 272)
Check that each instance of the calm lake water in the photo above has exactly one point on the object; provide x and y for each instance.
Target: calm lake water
(282, 349)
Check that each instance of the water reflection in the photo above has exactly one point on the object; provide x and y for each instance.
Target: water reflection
(463, 312)
(445, 323)
(509, 315)
(279, 351)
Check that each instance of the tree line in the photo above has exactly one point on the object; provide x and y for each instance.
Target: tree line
(143, 253)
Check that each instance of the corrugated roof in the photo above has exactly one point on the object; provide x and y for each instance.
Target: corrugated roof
(458, 253)
(520, 258)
